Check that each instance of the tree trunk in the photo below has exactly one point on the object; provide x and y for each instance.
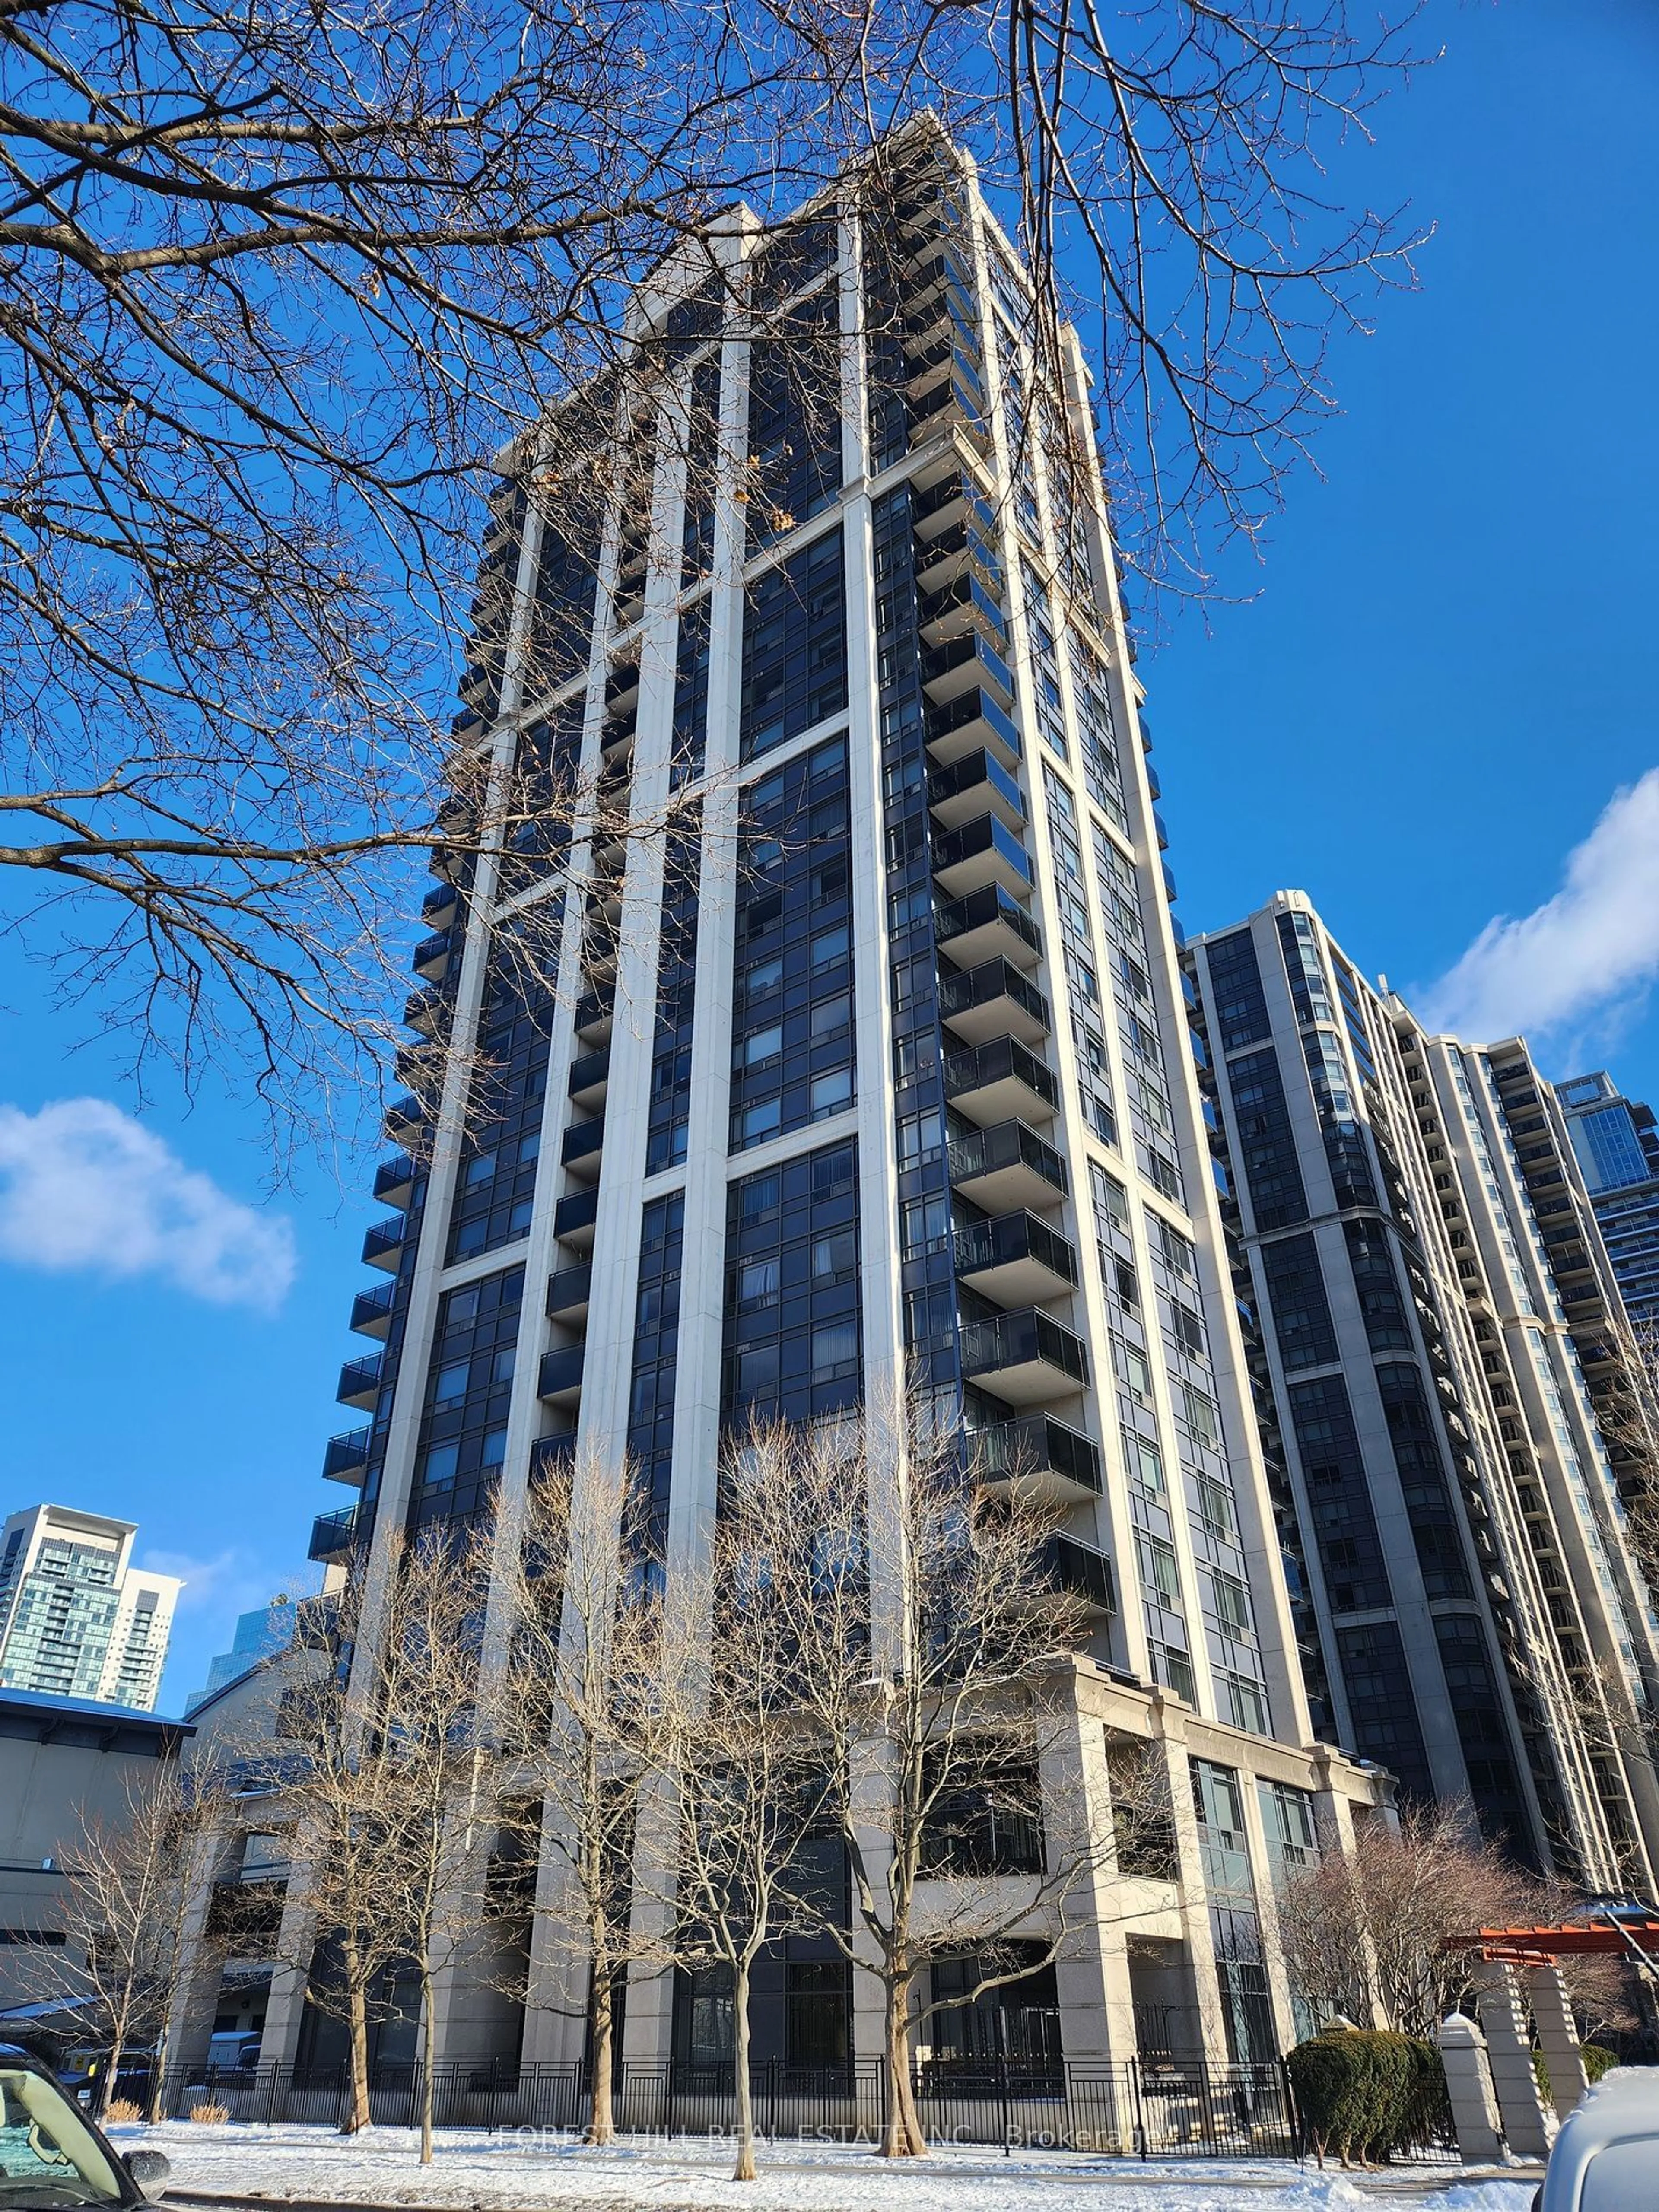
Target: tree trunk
(158, 2068)
(429, 2059)
(601, 2126)
(357, 2118)
(745, 2170)
(111, 2066)
(903, 2136)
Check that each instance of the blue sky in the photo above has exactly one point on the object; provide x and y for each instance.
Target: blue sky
(1445, 674)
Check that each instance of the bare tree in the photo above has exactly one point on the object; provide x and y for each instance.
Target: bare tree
(277, 301)
(124, 1915)
(431, 1726)
(752, 1787)
(587, 1730)
(388, 1790)
(933, 1672)
(1369, 1927)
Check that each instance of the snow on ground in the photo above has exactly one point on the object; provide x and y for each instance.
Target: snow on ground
(473, 2170)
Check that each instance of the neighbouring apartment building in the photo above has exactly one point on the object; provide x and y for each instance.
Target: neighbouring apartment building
(1421, 1329)
(880, 1056)
(78, 1618)
(1617, 1147)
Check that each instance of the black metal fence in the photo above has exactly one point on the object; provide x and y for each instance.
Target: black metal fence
(1136, 2109)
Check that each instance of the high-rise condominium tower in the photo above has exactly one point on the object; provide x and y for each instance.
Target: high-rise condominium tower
(1617, 1148)
(879, 1057)
(77, 1618)
(1483, 1627)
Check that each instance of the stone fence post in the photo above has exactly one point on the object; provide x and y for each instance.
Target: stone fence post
(1509, 2049)
(1469, 2089)
(1558, 2038)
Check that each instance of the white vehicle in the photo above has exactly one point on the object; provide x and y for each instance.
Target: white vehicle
(1606, 2158)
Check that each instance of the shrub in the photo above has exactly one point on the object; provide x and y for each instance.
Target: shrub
(1365, 2093)
(123, 2108)
(210, 2115)
(1597, 2058)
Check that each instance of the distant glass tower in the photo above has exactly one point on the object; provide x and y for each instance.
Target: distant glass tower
(1485, 1629)
(880, 1059)
(259, 1635)
(1617, 1146)
(77, 1618)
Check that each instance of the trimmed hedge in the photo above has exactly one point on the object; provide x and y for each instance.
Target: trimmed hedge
(1597, 2058)
(1366, 2093)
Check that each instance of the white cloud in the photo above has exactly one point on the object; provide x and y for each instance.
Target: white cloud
(231, 1582)
(82, 1186)
(1584, 956)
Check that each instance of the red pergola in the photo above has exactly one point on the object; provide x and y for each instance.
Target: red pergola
(1542, 1947)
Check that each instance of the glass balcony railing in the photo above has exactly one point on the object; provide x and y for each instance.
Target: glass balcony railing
(994, 999)
(973, 718)
(345, 1457)
(991, 917)
(371, 1311)
(383, 1244)
(970, 784)
(568, 1290)
(560, 1376)
(1037, 1447)
(575, 1215)
(331, 1534)
(1022, 1346)
(1082, 1573)
(982, 851)
(1001, 1080)
(394, 1179)
(359, 1381)
(1018, 1244)
(1007, 1146)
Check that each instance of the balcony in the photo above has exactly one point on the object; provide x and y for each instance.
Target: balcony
(621, 686)
(964, 549)
(371, 1311)
(582, 1145)
(589, 1078)
(568, 1292)
(431, 957)
(383, 1244)
(437, 907)
(1058, 1463)
(963, 604)
(987, 922)
(559, 1382)
(548, 1454)
(1082, 1573)
(1007, 1169)
(394, 1179)
(1016, 1259)
(245, 1919)
(972, 720)
(1001, 1081)
(976, 784)
(1026, 1357)
(982, 851)
(345, 1457)
(331, 1535)
(360, 1382)
(573, 1217)
(424, 1010)
(966, 663)
(404, 1120)
(993, 1001)
(595, 1011)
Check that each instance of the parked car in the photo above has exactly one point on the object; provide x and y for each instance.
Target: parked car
(234, 2050)
(51, 2154)
(1606, 2158)
(84, 2069)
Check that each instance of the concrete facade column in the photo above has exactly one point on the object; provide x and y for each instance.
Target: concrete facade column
(1469, 2089)
(1091, 1971)
(1203, 1988)
(1519, 2104)
(1558, 2038)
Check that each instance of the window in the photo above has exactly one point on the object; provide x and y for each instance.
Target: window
(451, 1385)
(759, 1046)
(835, 1350)
(831, 1092)
(757, 1285)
